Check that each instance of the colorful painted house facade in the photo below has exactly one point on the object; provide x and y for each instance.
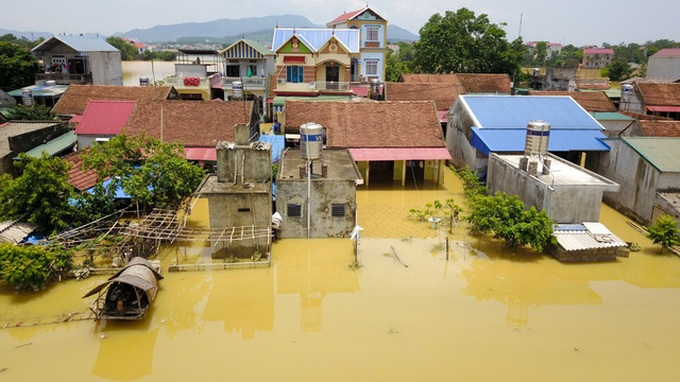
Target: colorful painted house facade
(371, 62)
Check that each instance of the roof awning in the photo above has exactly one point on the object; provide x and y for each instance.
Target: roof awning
(55, 146)
(514, 140)
(401, 153)
(200, 153)
(664, 109)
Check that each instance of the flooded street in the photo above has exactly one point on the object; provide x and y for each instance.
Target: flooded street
(408, 313)
(132, 70)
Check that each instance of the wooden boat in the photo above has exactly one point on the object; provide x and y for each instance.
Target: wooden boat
(128, 294)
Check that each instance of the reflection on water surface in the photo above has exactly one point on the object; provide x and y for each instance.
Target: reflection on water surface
(486, 313)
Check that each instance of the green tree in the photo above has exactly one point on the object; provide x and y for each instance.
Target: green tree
(127, 50)
(17, 66)
(504, 216)
(464, 43)
(618, 70)
(40, 195)
(32, 267)
(664, 232)
(540, 53)
(153, 173)
(35, 112)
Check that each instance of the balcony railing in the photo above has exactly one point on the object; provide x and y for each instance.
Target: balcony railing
(65, 78)
(249, 83)
(332, 86)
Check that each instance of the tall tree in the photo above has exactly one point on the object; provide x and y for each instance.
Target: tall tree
(464, 43)
(153, 173)
(40, 195)
(618, 70)
(17, 66)
(127, 50)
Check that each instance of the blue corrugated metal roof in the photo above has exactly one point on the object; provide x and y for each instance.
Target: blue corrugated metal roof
(514, 112)
(505, 140)
(317, 37)
(81, 43)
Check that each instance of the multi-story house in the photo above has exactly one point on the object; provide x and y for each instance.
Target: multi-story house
(79, 60)
(597, 57)
(370, 63)
(249, 64)
(312, 62)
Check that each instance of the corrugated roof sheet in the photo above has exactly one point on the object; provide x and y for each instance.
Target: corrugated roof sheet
(200, 153)
(55, 146)
(105, 117)
(79, 43)
(14, 232)
(246, 49)
(514, 112)
(592, 101)
(662, 153)
(667, 52)
(406, 153)
(611, 116)
(591, 236)
(505, 140)
(316, 38)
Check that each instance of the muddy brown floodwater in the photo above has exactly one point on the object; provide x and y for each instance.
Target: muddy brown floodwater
(408, 314)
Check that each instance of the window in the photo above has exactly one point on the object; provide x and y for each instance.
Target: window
(295, 74)
(372, 68)
(294, 210)
(338, 210)
(372, 33)
(253, 70)
(233, 71)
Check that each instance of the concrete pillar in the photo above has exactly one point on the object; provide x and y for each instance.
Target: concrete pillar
(546, 166)
(532, 168)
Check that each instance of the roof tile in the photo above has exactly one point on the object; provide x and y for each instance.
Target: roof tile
(76, 97)
(380, 124)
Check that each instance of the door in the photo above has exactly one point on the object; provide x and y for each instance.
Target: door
(332, 75)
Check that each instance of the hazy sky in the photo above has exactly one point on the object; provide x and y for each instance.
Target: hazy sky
(577, 22)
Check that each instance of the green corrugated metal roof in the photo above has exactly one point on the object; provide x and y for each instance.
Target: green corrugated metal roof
(662, 153)
(611, 116)
(55, 146)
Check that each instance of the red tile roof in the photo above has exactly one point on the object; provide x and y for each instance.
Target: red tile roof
(666, 94)
(443, 94)
(191, 123)
(652, 128)
(598, 51)
(76, 97)
(81, 180)
(347, 16)
(105, 117)
(668, 52)
(591, 101)
(486, 82)
(369, 124)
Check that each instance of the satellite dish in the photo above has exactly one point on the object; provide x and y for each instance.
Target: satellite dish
(312, 85)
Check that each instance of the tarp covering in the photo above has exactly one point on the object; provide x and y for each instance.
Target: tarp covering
(138, 273)
(278, 142)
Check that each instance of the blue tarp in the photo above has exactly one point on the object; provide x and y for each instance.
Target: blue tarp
(504, 140)
(278, 142)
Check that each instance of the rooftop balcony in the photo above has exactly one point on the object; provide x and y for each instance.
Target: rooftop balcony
(65, 78)
(249, 83)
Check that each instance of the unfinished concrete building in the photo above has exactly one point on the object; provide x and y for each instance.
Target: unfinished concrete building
(323, 204)
(240, 197)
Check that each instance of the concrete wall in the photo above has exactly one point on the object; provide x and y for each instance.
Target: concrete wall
(241, 162)
(325, 193)
(458, 137)
(88, 140)
(106, 68)
(238, 209)
(24, 142)
(564, 203)
(663, 67)
(639, 180)
(614, 128)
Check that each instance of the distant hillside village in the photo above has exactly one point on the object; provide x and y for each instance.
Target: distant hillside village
(333, 111)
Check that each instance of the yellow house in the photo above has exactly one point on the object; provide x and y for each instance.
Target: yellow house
(370, 63)
(312, 62)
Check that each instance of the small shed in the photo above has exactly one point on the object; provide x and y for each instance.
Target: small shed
(587, 242)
